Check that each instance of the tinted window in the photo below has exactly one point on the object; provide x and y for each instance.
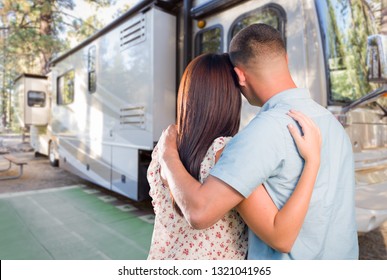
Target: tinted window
(271, 14)
(209, 40)
(36, 99)
(91, 70)
(65, 88)
(346, 24)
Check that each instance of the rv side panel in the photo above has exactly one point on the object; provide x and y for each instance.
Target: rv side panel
(113, 97)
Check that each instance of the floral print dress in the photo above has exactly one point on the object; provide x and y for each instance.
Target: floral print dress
(174, 238)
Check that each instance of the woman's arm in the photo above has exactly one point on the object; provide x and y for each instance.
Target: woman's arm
(201, 204)
(279, 229)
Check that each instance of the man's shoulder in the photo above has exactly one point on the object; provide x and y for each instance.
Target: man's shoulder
(273, 116)
(267, 123)
(264, 130)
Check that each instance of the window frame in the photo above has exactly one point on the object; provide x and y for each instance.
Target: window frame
(271, 6)
(198, 34)
(33, 105)
(323, 35)
(59, 95)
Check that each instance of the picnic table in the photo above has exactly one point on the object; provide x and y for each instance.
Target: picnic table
(16, 161)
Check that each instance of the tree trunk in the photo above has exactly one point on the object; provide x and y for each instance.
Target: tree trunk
(46, 31)
(4, 95)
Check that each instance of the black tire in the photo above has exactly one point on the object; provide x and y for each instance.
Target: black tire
(52, 155)
(38, 155)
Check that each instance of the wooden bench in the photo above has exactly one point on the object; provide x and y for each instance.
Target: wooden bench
(13, 160)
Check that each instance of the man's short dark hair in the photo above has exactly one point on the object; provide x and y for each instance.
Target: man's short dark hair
(257, 41)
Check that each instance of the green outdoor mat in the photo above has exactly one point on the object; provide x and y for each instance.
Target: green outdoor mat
(72, 223)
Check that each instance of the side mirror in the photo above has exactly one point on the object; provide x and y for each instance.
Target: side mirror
(377, 58)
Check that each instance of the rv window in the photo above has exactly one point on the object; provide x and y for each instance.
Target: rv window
(65, 88)
(36, 99)
(271, 14)
(345, 26)
(91, 70)
(209, 40)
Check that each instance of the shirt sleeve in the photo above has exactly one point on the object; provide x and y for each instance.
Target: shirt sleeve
(255, 154)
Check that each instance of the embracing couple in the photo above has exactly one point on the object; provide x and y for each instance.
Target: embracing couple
(281, 188)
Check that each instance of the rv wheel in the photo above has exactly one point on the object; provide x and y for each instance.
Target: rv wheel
(52, 155)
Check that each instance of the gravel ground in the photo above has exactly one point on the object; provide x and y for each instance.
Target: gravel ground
(373, 244)
(39, 174)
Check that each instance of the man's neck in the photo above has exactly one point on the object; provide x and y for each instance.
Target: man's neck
(270, 80)
(273, 89)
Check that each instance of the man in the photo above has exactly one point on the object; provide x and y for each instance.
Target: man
(264, 152)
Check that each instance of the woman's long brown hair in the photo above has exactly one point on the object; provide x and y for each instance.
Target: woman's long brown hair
(209, 106)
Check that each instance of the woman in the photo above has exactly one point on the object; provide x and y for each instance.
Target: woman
(209, 104)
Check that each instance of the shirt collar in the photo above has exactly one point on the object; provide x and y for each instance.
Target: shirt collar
(294, 93)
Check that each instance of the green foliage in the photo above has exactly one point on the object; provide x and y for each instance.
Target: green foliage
(122, 10)
(36, 28)
(349, 26)
(85, 28)
(32, 33)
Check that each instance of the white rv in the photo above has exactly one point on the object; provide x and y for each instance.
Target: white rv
(32, 103)
(112, 95)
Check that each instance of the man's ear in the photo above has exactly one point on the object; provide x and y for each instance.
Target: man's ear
(241, 76)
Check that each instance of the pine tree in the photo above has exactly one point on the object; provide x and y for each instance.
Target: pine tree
(32, 33)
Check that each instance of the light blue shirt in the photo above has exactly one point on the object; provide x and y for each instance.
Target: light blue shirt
(264, 152)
